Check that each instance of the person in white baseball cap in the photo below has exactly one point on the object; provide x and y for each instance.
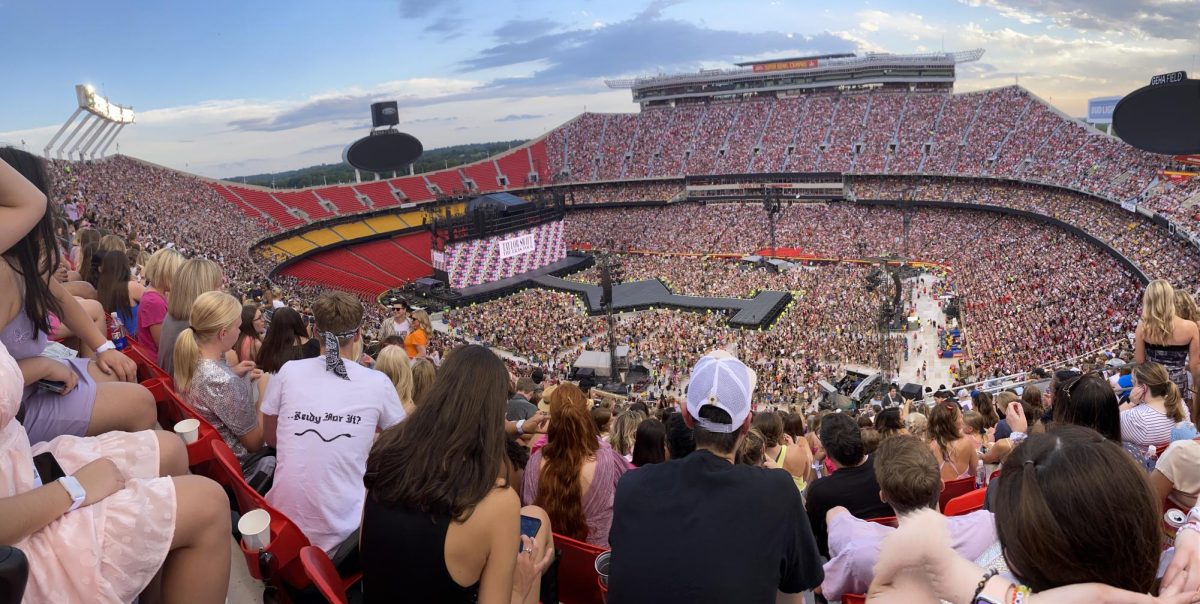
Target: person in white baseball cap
(680, 530)
(720, 383)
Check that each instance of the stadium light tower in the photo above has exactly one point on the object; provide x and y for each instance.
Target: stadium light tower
(101, 123)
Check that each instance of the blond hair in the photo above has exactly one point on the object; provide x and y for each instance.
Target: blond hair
(421, 318)
(1158, 311)
(112, 243)
(1185, 306)
(161, 267)
(394, 363)
(193, 278)
(622, 431)
(212, 312)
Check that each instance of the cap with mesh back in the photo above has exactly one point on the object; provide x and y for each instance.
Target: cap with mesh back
(721, 380)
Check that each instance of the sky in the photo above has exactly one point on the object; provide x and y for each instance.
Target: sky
(228, 87)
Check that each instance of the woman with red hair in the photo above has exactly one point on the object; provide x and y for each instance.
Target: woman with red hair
(575, 475)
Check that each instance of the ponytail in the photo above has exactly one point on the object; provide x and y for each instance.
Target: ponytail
(1174, 403)
(211, 312)
(187, 354)
(1158, 383)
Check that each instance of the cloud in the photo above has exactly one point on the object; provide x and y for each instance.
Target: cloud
(353, 104)
(518, 117)
(1005, 10)
(324, 148)
(646, 42)
(524, 28)
(1164, 19)
(444, 15)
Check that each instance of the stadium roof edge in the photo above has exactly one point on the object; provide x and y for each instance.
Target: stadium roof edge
(954, 58)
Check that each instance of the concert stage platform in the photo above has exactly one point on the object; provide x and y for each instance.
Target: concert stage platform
(759, 311)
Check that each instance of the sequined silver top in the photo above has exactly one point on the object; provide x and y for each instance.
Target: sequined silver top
(225, 400)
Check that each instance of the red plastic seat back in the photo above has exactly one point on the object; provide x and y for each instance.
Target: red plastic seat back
(954, 488)
(965, 504)
(577, 578)
(853, 599)
(286, 538)
(321, 572)
(885, 521)
(147, 369)
(171, 410)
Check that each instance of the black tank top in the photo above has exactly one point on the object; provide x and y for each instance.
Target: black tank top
(404, 560)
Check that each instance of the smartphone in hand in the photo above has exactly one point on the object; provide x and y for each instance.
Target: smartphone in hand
(529, 528)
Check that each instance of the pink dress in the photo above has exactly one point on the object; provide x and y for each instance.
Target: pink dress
(105, 552)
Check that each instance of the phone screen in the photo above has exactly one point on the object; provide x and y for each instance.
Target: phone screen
(529, 527)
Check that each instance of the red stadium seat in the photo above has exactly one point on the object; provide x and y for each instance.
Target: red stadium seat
(146, 367)
(578, 582)
(954, 488)
(885, 521)
(172, 410)
(965, 504)
(853, 599)
(321, 572)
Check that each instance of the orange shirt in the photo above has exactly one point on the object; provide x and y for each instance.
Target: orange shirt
(415, 338)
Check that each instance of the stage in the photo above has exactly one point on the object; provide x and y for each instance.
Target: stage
(758, 312)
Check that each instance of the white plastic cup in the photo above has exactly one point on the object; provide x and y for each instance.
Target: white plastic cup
(188, 430)
(255, 527)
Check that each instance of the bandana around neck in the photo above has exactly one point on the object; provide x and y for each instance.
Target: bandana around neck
(333, 356)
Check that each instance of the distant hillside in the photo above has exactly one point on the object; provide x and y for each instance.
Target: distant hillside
(432, 159)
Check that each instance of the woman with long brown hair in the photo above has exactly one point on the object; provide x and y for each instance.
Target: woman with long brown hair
(574, 477)
(1165, 338)
(250, 336)
(796, 459)
(440, 523)
(954, 450)
(117, 290)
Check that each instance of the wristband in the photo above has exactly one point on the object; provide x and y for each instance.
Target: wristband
(1018, 437)
(520, 423)
(976, 599)
(105, 347)
(75, 490)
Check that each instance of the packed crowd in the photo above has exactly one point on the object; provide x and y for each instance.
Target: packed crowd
(156, 207)
(443, 474)
(1005, 132)
(995, 262)
(626, 191)
(1136, 237)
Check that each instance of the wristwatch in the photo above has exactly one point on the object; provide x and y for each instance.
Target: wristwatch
(75, 490)
(105, 347)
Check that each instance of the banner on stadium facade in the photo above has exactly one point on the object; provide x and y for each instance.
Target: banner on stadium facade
(516, 246)
(784, 65)
(1129, 206)
(439, 260)
(1177, 176)
(1188, 160)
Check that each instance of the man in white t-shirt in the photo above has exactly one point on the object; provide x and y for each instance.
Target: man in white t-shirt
(398, 324)
(321, 415)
